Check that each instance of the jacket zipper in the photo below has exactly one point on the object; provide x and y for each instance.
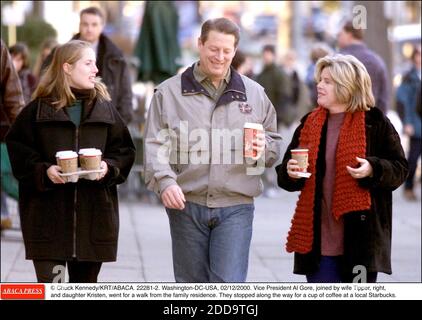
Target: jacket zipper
(75, 199)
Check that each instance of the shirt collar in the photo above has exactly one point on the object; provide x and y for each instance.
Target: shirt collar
(94, 47)
(235, 89)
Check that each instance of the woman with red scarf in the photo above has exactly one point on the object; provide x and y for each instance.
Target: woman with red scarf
(341, 229)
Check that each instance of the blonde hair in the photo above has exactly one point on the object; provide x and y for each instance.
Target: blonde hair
(353, 85)
(54, 83)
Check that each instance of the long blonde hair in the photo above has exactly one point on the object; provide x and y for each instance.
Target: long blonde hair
(55, 84)
(353, 85)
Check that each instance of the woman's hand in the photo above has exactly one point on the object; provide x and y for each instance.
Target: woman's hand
(104, 167)
(365, 169)
(293, 169)
(53, 174)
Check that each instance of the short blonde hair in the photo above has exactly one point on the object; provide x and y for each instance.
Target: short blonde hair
(353, 85)
(54, 82)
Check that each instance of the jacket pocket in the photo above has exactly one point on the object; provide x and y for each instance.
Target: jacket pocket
(105, 220)
(104, 226)
(40, 220)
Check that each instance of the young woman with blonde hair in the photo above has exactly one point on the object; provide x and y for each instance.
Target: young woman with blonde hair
(73, 224)
(341, 229)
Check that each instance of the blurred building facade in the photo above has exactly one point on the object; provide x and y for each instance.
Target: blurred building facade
(392, 25)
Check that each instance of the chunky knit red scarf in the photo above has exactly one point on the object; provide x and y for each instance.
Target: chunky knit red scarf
(348, 195)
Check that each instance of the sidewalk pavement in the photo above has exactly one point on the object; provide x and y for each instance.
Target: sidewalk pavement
(144, 253)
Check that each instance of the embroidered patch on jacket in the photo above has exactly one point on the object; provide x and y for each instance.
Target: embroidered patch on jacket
(244, 107)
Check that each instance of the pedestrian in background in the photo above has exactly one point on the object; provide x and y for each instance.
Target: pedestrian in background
(242, 64)
(275, 82)
(11, 100)
(407, 96)
(297, 93)
(210, 204)
(276, 85)
(111, 64)
(319, 50)
(73, 224)
(46, 48)
(20, 57)
(350, 41)
(343, 217)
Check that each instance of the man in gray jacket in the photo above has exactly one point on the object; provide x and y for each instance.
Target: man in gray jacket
(194, 158)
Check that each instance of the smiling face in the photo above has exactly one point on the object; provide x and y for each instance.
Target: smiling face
(326, 93)
(216, 54)
(82, 73)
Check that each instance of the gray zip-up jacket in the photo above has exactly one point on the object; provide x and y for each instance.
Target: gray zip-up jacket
(197, 143)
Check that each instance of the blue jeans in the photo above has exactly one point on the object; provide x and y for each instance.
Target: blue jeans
(211, 244)
(412, 158)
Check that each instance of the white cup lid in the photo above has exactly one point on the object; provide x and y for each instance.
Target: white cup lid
(251, 125)
(68, 154)
(90, 152)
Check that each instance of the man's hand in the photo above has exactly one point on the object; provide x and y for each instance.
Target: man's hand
(365, 169)
(173, 197)
(259, 145)
(53, 174)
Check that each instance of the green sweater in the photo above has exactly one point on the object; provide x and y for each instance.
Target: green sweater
(75, 112)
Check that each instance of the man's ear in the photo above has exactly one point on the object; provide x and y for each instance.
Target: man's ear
(200, 44)
(67, 68)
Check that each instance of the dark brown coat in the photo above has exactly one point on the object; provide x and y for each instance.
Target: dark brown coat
(61, 221)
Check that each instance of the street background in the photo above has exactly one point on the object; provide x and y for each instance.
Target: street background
(144, 252)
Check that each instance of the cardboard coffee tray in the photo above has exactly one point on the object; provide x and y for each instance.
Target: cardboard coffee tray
(83, 174)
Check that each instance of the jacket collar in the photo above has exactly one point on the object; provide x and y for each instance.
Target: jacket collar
(101, 112)
(235, 90)
(105, 47)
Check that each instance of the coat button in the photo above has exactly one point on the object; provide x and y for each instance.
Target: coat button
(185, 90)
(237, 97)
(362, 217)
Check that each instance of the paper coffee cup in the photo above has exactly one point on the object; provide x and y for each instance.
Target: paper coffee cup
(301, 156)
(249, 134)
(68, 161)
(90, 159)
